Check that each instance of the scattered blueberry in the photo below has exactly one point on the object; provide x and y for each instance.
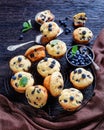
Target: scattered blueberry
(61, 22)
(66, 18)
(21, 37)
(64, 23)
(67, 30)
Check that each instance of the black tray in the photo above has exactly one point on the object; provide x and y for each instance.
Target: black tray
(52, 108)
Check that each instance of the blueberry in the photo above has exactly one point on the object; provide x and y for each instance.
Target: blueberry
(76, 60)
(19, 59)
(82, 63)
(83, 32)
(45, 59)
(79, 71)
(49, 25)
(83, 76)
(77, 53)
(14, 77)
(65, 100)
(73, 62)
(19, 75)
(75, 57)
(49, 29)
(71, 98)
(21, 37)
(61, 22)
(51, 65)
(66, 18)
(67, 30)
(31, 55)
(65, 24)
(70, 57)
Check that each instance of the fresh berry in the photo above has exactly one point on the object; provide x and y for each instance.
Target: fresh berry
(21, 37)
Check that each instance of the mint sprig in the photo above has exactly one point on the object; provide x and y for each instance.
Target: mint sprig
(27, 26)
(53, 43)
(23, 81)
(74, 49)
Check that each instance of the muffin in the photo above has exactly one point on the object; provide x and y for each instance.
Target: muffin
(35, 53)
(80, 19)
(47, 66)
(19, 63)
(56, 48)
(70, 99)
(54, 83)
(44, 16)
(82, 35)
(21, 80)
(49, 31)
(81, 78)
(36, 96)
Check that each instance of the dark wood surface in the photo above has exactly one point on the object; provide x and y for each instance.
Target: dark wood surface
(13, 13)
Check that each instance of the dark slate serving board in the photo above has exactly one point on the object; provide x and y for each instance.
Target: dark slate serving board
(12, 15)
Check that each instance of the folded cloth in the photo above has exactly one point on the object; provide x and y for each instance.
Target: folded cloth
(15, 116)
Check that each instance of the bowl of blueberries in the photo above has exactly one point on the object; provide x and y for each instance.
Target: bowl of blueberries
(80, 55)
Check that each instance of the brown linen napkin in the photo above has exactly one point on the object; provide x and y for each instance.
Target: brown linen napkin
(22, 117)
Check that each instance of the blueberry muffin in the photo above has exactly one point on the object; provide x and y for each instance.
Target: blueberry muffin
(49, 31)
(80, 19)
(82, 35)
(19, 63)
(21, 80)
(54, 83)
(56, 48)
(35, 53)
(36, 96)
(70, 99)
(44, 16)
(81, 78)
(47, 66)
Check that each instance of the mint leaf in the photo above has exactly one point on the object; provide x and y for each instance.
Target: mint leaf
(27, 26)
(25, 29)
(74, 49)
(53, 43)
(23, 81)
(29, 23)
